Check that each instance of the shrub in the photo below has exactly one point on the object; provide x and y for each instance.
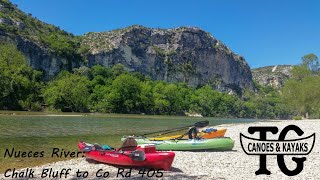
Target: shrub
(297, 118)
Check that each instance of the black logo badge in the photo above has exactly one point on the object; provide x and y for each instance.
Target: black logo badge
(278, 147)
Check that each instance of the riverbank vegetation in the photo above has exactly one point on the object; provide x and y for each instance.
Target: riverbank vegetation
(115, 90)
(301, 92)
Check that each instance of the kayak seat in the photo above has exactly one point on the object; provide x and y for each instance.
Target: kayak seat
(129, 144)
(87, 149)
(192, 133)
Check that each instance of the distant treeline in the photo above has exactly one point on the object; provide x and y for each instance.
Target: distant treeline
(114, 90)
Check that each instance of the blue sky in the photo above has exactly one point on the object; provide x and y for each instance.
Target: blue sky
(266, 32)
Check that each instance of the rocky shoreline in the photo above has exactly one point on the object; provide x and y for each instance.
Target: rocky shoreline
(233, 164)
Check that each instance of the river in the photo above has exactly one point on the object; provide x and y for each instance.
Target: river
(40, 132)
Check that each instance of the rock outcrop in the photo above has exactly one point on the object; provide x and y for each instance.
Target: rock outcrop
(42, 44)
(40, 57)
(273, 76)
(184, 54)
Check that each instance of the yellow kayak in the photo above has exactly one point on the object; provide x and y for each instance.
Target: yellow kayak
(206, 135)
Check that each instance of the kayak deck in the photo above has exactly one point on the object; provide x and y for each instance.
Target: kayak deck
(210, 135)
(216, 144)
(153, 159)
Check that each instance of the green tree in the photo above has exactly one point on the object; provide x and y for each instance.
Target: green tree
(33, 97)
(300, 72)
(146, 96)
(227, 106)
(98, 101)
(185, 92)
(311, 62)
(117, 69)
(101, 76)
(161, 104)
(124, 96)
(206, 101)
(266, 103)
(101, 71)
(19, 84)
(301, 93)
(68, 92)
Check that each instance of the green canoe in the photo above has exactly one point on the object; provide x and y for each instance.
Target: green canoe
(215, 144)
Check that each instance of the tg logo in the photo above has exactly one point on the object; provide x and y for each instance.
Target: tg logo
(279, 147)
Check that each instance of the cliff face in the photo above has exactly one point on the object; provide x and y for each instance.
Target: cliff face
(183, 54)
(272, 75)
(46, 47)
(39, 57)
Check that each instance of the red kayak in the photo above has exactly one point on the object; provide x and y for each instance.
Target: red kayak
(139, 156)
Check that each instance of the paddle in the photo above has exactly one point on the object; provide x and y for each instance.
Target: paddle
(197, 124)
(168, 132)
(180, 137)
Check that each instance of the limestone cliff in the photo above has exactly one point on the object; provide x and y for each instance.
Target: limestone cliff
(273, 76)
(46, 47)
(40, 57)
(184, 54)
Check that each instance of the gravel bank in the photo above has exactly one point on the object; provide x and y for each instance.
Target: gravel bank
(216, 165)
